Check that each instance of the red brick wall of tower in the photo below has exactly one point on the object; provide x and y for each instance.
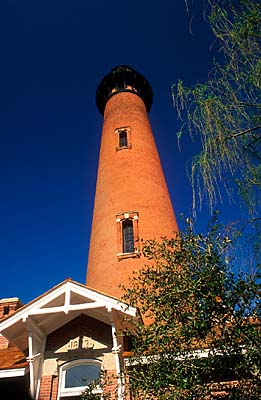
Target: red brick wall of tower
(130, 179)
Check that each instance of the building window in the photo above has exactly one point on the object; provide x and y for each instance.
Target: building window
(123, 138)
(6, 310)
(81, 375)
(127, 234)
(76, 375)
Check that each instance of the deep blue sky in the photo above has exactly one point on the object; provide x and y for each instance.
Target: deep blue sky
(53, 55)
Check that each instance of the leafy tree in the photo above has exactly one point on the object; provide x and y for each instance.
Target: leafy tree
(99, 388)
(204, 321)
(225, 110)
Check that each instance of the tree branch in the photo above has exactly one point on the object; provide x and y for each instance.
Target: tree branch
(245, 131)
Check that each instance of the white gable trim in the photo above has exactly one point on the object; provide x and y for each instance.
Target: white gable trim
(13, 372)
(33, 322)
(66, 308)
(93, 300)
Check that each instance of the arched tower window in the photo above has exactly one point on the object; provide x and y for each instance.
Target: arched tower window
(128, 236)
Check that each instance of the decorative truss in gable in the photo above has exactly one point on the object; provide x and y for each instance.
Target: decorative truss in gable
(57, 307)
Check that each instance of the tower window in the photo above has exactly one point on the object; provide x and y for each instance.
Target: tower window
(123, 141)
(123, 138)
(128, 236)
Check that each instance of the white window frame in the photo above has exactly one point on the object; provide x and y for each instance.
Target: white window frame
(75, 391)
(117, 132)
(120, 218)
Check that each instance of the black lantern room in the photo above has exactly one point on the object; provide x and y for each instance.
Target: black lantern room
(123, 79)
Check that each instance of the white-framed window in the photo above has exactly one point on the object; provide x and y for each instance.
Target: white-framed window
(76, 375)
(127, 234)
(123, 138)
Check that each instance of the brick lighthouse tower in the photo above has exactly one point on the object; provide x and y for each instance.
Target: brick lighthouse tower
(132, 200)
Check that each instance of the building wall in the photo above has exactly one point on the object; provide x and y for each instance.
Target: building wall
(82, 338)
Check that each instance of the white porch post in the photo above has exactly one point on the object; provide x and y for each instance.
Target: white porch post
(116, 350)
(36, 346)
(30, 359)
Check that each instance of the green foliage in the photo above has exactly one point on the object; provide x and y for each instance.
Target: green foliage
(225, 111)
(95, 389)
(205, 321)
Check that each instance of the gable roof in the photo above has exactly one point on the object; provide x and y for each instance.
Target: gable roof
(58, 306)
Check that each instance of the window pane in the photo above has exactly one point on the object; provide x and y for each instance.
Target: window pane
(128, 238)
(123, 139)
(81, 375)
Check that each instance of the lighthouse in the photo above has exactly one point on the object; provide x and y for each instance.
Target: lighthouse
(59, 343)
(132, 203)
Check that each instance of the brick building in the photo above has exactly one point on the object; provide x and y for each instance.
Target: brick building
(61, 341)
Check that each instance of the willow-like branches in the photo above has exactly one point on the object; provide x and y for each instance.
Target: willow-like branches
(225, 111)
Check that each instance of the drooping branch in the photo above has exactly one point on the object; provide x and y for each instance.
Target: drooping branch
(234, 135)
(226, 107)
